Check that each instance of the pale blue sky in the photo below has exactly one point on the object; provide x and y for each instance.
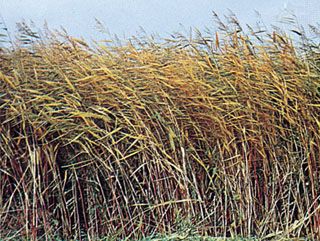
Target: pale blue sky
(124, 17)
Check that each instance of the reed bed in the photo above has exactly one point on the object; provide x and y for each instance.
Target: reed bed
(219, 132)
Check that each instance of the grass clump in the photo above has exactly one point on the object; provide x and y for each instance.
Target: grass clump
(126, 140)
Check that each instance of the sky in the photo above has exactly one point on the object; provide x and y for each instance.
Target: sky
(126, 17)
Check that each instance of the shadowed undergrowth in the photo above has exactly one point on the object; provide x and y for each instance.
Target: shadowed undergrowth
(221, 131)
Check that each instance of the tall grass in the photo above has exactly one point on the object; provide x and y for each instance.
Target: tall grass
(125, 141)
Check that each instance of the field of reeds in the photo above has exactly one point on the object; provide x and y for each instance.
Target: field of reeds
(215, 134)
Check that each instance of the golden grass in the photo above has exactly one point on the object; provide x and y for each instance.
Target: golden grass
(125, 141)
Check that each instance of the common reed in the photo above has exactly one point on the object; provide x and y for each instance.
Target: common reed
(220, 131)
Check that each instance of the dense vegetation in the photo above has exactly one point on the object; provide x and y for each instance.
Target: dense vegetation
(215, 134)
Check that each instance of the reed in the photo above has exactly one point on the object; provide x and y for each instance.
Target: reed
(125, 141)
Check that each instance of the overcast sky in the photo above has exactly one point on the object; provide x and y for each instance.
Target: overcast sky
(124, 17)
